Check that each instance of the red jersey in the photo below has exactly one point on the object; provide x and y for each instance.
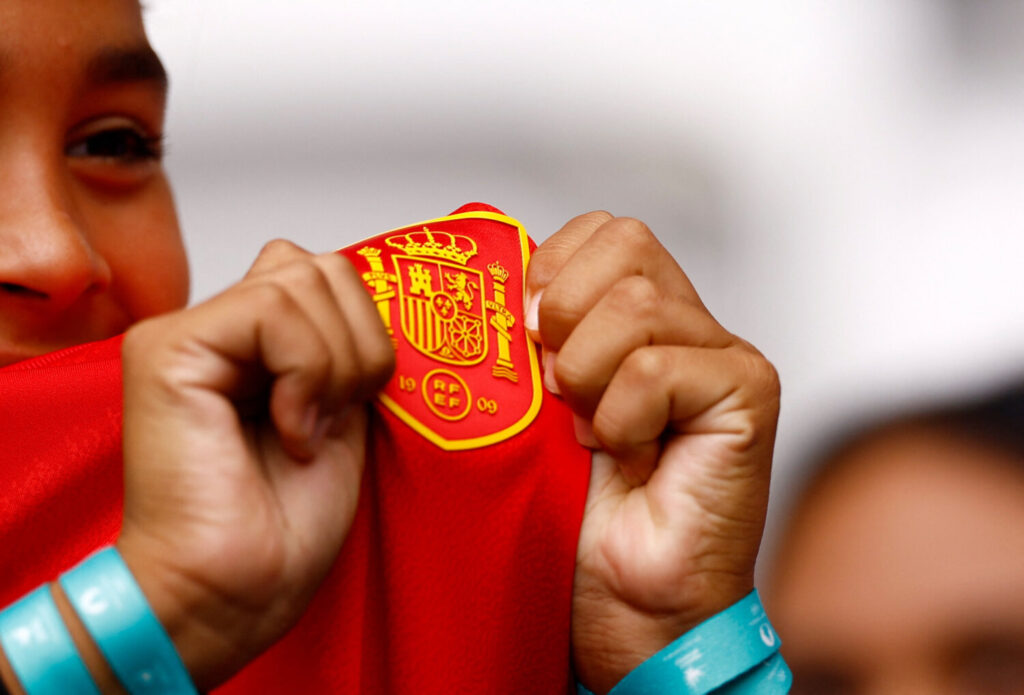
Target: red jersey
(457, 573)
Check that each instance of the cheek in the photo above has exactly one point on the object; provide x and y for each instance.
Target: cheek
(141, 243)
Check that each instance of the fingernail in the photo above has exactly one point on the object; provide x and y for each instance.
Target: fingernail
(532, 319)
(584, 432)
(549, 372)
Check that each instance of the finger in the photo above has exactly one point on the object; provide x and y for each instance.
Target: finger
(725, 399)
(550, 256)
(308, 381)
(274, 254)
(334, 295)
(633, 313)
(321, 498)
(305, 280)
(330, 291)
(235, 346)
(369, 336)
(619, 248)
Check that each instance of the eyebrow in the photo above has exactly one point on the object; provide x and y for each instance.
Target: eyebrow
(133, 64)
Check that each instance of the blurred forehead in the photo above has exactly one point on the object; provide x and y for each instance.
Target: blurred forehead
(67, 27)
(917, 532)
(52, 52)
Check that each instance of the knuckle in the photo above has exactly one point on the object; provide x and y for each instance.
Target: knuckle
(761, 391)
(594, 218)
(336, 264)
(645, 365)
(632, 232)
(271, 296)
(159, 357)
(636, 296)
(302, 274)
(571, 374)
(146, 344)
(277, 249)
(765, 377)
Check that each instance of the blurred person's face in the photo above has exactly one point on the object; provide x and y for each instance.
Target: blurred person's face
(89, 240)
(904, 573)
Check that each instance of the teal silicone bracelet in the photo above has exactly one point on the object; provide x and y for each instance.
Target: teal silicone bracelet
(770, 678)
(39, 647)
(115, 612)
(737, 642)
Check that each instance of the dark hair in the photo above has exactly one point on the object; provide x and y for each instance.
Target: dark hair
(994, 421)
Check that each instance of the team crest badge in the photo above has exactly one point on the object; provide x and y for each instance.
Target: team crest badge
(450, 293)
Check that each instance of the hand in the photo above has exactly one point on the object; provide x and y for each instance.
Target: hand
(682, 415)
(244, 445)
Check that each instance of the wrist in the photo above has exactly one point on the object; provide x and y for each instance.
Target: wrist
(615, 636)
(735, 651)
(206, 632)
(92, 631)
(607, 650)
(98, 667)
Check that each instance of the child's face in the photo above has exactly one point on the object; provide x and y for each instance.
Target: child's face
(903, 572)
(89, 240)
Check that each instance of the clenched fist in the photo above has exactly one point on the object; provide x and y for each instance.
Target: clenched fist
(244, 444)
(681, 415)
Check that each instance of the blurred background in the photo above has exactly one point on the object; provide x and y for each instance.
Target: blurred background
(842, 181)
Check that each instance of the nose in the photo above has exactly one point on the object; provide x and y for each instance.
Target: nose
(45, 255)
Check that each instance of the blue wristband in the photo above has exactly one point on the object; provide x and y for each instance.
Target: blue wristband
(736, 642)
(770, 678)
(115, 612)
(39, 647)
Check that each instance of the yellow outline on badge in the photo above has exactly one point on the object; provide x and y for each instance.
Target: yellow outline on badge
(531, 349)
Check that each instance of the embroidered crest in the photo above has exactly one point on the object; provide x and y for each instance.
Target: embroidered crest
(450, 293)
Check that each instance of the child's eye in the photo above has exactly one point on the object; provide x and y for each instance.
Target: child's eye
(119, 143)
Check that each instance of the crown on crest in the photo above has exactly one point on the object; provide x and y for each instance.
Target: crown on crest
(497, 271)
(451, 247)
